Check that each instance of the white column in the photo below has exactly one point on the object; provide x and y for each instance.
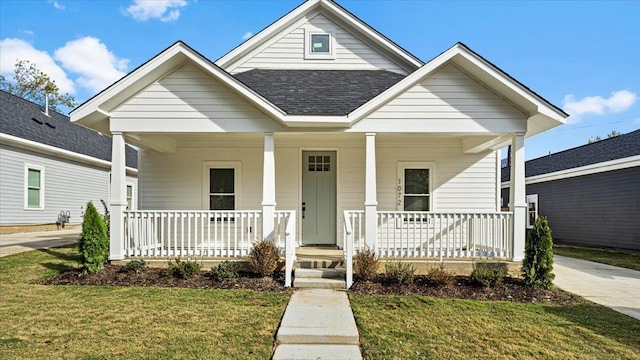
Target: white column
(517, 196)
(118, 201)
(370, 195)
(268, 188)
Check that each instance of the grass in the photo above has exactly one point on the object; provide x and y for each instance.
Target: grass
(418, 327)
(87, 322)
(616, 258)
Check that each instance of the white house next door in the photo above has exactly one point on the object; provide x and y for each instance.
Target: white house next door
(318, 197)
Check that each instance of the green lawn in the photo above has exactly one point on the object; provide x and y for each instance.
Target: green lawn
(418, 327)
(615, 258)
(83, 322)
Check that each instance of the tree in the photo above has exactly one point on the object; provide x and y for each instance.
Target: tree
(94, 243)
(537, 266)
(610, 135)
(32, 84)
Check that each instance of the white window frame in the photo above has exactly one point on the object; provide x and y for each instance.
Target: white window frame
(133, 191)
(40, 168)
(400, 181)
(309, 55)
(532, 199)
(236, 166)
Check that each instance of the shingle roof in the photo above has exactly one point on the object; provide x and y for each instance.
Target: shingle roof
(617, 147)
(24, 119)
(318, 92)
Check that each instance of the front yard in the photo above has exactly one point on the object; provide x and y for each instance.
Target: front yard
(627, 260)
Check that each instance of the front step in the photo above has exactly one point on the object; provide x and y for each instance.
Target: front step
(319, 278)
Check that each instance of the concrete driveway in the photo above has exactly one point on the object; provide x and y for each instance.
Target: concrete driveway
(607, 285)
(16, 243)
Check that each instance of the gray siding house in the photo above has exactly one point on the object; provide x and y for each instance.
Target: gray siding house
(50, 166)
(590, 194)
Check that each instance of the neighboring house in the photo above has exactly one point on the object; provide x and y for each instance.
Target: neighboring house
(319, 130)
(590, 194)
(49, 166)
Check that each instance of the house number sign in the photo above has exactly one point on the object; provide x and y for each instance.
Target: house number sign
(399, 197)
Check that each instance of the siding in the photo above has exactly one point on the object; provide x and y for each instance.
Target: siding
(593, 210)
(190, 100)
(287, 51)
(447, 101)
(68, 186)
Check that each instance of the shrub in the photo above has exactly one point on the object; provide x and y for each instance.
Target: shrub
(94, 242)
(106, 217)
(485, 275)
(182, 269)
(365, 264)
(224, 271)
(134, 266)
(537, 266)
(439, 276)
(399, 272)
(264, 257)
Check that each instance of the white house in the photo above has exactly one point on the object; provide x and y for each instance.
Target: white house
(319, 130)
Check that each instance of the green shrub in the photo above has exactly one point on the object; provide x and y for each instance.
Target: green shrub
(106, 217)
(366, 264)
(537, 266)
(224, 271)
(485, 275)
(182, 269)
(94, 242)
(264, 257)
(399, 272)
(439, 276)
(134, 266)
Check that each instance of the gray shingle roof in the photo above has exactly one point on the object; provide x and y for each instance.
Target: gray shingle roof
(17, 119)
(618, 147)
(318, 92)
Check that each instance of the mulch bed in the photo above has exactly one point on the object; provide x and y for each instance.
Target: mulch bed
(458, 287)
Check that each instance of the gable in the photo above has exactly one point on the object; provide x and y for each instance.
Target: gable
(189, 100)
(448, 100)
(287, 50)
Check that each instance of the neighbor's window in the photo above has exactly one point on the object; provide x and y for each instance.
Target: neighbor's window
(129, 197)
(222, 189)
(414, 186)
(532, 210)
(321, 43)
(34, 187)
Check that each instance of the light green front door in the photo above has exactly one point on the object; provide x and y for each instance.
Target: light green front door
(318, 197)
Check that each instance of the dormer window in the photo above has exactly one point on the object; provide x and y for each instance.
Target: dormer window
(319, 45)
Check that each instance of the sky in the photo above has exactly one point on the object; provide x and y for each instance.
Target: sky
(582, 56)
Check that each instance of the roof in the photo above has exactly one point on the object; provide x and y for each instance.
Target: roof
(318, 92)
(618, 147)
(24, 119)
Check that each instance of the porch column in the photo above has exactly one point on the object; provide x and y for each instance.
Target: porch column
(370, 195)
(118, 201)
(268, 188)
(517, 196)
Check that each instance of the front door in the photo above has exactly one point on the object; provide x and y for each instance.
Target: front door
(318, 197)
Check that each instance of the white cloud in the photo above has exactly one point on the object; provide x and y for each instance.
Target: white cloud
(618, 101)
(28, 32)
(12, 50)
(247, 35)
(57, 5)
(96, 66)
(164, 10)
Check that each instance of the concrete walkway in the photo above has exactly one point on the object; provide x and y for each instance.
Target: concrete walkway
(607, 285)
(318, 324)
(16, 243)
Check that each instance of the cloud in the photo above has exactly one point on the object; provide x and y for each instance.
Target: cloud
(164, 10)
(96, 66)
(57, 5)
(12, 50)
(618, 101)
(28, 32)
(247, 35)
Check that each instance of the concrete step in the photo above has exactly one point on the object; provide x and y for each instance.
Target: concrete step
(320, 273)
(319, 283)
(320, 252)
(315, 263)
(313, 352)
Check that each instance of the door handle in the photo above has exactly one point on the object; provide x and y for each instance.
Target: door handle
(303, 209)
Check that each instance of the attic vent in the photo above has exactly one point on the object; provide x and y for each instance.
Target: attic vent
(50, 125)
(38, 121)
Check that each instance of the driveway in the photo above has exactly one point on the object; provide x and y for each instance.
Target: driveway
(607, 285)
(16, 243)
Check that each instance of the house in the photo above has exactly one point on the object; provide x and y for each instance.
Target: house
(590, 193)
(319, 130)
(50, 167)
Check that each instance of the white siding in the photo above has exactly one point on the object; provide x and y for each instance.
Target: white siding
(287, 51)
(447, 101)
(68, 186)
(190, 100)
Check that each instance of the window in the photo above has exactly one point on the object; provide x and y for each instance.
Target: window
(319, 45)
(414, 186)
(319, 163)
(532, 210)
(34, 187)
(129, 197)
(221, 181)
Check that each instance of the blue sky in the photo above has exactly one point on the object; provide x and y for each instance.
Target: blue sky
(581, 56)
